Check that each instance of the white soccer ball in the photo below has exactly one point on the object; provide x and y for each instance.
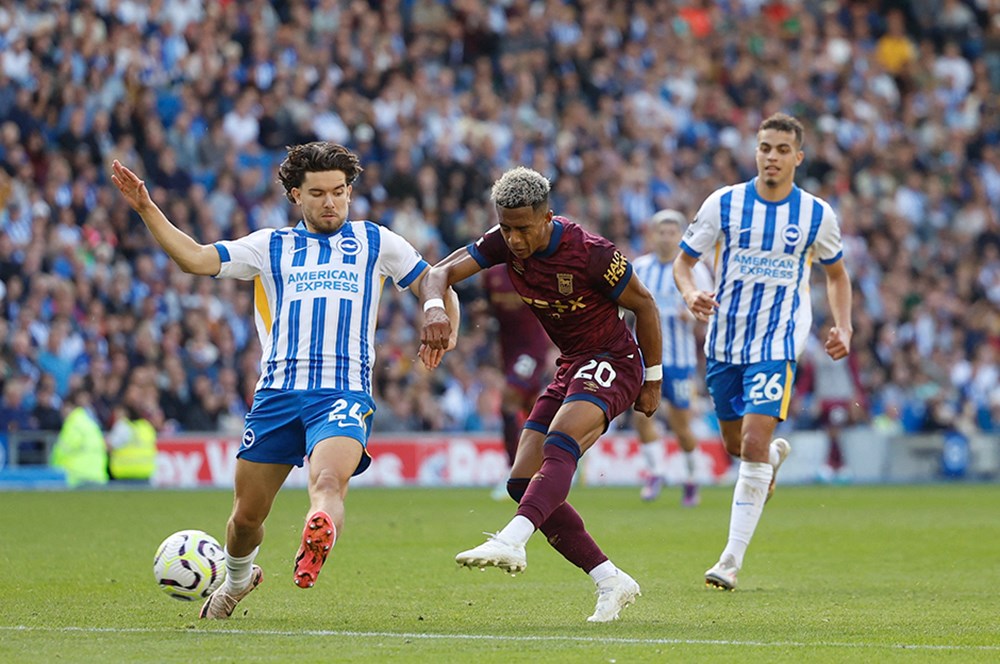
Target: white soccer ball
(189, 565)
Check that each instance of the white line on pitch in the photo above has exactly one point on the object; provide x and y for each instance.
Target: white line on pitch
(611, 640)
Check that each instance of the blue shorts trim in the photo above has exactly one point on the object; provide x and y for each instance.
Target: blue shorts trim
(284, 426)
(592, 399)
(762, 388)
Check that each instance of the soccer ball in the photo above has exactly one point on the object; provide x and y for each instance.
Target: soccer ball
(189, 565)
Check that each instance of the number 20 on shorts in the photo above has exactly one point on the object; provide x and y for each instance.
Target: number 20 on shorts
(601, 372)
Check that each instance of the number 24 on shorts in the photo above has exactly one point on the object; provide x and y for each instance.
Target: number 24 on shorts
(353, 417)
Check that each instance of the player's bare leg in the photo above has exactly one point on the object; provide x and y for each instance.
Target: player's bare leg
(255, 486)
(679, 420)
(331, 465)
(651, 444)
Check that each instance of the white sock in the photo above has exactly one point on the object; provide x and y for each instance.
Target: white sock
(748, 502)
(605, 570)
(689, 464)
(650, 452)
(238, 570)
(518, 530)
(772, 455)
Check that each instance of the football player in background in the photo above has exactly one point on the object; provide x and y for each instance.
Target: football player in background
(680, 355)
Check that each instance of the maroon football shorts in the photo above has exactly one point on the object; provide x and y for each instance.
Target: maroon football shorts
(610, 382)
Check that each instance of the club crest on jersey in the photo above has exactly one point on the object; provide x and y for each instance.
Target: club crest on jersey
(791, 234)
(348, 246)
(248, 438)
(517, 267)
(565, 282)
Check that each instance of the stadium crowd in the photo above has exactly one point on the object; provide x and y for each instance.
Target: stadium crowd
(627, 106)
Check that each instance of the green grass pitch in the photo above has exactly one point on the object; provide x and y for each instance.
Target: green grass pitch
(834, 574)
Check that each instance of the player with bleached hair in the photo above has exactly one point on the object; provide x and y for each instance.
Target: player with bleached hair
(316, 299)
(765, 233)
(578, 286)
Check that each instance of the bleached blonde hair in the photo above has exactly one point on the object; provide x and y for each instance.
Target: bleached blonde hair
(521, 187)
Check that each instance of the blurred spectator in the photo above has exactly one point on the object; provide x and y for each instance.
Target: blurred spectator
(46, 413)
(81, 450)
(131, 443)
(15, 412)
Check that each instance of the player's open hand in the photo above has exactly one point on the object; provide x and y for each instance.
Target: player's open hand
(133, 189)
(702, 304)
(649, 398)
(838, 343)
(430, 357)
(437, 332)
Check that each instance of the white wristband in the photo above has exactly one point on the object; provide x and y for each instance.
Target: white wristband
(433, 302)
(653, 373)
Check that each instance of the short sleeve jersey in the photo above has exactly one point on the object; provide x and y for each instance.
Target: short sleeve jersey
(571, 286)
(764, 253)
(316, 299)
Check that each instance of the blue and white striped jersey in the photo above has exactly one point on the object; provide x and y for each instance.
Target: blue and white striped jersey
(316, 299)
(763, 261)
(679, 347)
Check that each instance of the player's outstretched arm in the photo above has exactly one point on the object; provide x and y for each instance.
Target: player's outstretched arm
(701, 303)
(189, 255)
(838, 292)
(648, 333)
(431, 357)
(440, 331)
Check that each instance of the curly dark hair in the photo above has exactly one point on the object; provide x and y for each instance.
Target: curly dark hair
(316, 157)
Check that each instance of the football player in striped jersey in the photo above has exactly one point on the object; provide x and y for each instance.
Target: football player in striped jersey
(765, 234)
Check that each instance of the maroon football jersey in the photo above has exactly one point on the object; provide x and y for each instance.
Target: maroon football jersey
(520, 332)
(571, 286)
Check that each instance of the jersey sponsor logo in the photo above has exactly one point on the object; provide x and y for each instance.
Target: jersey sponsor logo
(556, 308)
(616, 270)
(765, 266)
(565, 282)
(343, 281)
(349, 246)
(791, 234)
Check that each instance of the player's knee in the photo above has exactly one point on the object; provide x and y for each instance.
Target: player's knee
(516, 488)
(687, 441)
(557, 443)
(754, 445)
(246, 521)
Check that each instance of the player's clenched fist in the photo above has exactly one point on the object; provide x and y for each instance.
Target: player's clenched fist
(838, 343)
(649, 398)
(437, 329)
